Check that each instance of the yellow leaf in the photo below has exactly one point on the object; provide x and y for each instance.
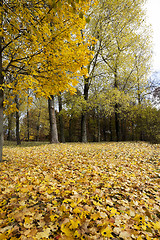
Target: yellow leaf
(139, 238)
(28, 220)
(49, 191)
(65, 229)
(106, 232)
(147, 237)
(54, 217)
(157, 225)
(74, 223)
(77, 234)
(77, 210)
(3, 236)
(63, 209)
(95, 216)
(139, 218)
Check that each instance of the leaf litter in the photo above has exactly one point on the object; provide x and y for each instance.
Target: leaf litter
(80, 191)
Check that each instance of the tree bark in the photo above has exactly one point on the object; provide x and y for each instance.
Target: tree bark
(1, 82)
(124, 129)
(61, 123)
(9, 137)
(84, 128)
(117, 122)
(104, 129)
(38, 123)
(84, 114)
(52, 119)
(17, 122)
(70, 129)
(99, 129)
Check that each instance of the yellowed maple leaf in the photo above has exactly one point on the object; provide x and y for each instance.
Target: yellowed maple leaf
(156, 225)
(106, 232)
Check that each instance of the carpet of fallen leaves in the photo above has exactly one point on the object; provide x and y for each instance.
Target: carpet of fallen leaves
(80, 191)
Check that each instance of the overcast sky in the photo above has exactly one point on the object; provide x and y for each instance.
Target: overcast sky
(153, 13)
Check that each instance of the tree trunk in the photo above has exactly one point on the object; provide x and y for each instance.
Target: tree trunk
(117, 122)
(17, 121)
(99, 130)
(52, 119)
(70, 129)
(124, 129)
(1, 82)
(133, 137)
(61, 123)
(84, 128)
(84, 114)
(38, 123)
(9, 137)
(104, 129)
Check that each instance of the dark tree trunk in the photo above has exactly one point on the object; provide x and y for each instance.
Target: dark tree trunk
(99, 129)
(38, 126)
(84, 128)
(70, 129)
(84, 114)
(17, 121)
(133, 137)
(104, 129)
(1, 82)
(52, 119)
(117, 122)
(61, 123)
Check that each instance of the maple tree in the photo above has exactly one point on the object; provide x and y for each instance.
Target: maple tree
(42, 46)
(77, 191)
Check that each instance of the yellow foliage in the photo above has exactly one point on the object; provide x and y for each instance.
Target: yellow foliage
(46, 49)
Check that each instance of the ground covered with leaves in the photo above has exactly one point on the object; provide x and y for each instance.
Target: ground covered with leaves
(80, 191)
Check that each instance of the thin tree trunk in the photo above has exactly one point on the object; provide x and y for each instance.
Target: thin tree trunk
(84, 114)
(133, 131)
(84, 128)
(9, 127)
(117, 122)
(116, 107)
(104, 129)
(61, 123)
(124, 129)
(99, 130)
(1, 82)
(52, 119)
(17, 121)
(70, 129)
(38, 123)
